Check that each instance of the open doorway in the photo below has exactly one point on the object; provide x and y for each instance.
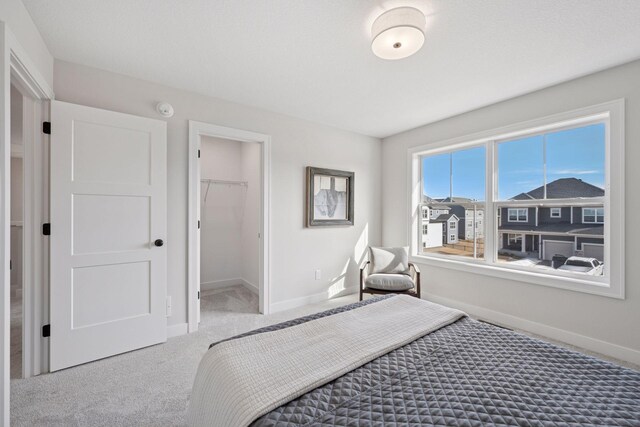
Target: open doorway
(229, 227)
(228, 223)
(28, 176)
(19, 73)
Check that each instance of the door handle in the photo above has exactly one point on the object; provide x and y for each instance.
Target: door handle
(159, 242)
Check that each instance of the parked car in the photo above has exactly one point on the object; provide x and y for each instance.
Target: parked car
(578, 264)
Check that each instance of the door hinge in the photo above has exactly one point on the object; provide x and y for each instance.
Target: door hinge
(198, 153)
(198, 294)
(198, 224)
(46, 331)
(46, 229)
(46, 128)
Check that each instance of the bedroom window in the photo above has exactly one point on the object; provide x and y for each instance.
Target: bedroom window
(454, 183)
(527, 173)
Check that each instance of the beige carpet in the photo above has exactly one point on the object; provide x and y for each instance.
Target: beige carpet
(217, 304)
(148, 387)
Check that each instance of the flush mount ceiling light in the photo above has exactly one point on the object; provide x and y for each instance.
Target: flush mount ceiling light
(398, 33)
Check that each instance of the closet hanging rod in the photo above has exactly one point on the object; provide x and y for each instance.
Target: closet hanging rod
(224, 182)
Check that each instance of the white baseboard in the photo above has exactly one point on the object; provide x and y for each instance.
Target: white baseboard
(219, 284)
(176, 330)
(572, 338)
(250, 286)
(309, 299)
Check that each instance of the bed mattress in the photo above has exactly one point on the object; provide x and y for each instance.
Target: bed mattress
(468, 373)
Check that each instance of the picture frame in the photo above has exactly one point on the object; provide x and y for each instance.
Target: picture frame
(329, 200)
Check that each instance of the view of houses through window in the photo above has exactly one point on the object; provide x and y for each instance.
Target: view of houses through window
(453, 203)
(548, 202)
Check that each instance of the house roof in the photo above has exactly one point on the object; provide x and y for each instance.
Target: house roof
(596, 230)
(445, 217)
(455, 200)
(439, 207)
(563, 188)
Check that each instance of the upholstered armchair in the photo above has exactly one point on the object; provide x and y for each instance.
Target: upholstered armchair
(388, 271)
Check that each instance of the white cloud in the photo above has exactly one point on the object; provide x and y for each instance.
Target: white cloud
(575, 172)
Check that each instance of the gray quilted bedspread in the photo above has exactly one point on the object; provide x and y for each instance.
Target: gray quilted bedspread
(469, 374)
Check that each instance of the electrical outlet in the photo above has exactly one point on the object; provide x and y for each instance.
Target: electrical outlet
(168, 306)
(318, 274)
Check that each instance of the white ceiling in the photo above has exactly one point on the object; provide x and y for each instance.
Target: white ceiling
(312, 58)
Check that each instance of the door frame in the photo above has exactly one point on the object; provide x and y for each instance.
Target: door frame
(35, 155)
(16, 66)
(197, 130)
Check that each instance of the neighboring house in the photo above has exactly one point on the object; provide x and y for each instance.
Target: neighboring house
(470, 221)
(449, 227)
(436, 210)
(473, 224)
(432, 235)
(562, 230)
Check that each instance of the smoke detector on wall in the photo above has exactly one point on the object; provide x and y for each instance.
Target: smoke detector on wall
(165, 109)
(398, 33)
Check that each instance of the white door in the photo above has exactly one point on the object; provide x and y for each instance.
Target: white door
(108, 226)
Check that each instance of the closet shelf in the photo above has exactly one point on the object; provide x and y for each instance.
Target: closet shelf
(222, 182)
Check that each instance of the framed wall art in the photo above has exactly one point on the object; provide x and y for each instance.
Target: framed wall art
(329, 197)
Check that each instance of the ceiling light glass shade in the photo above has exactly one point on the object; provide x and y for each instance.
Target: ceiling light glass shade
(398, 33)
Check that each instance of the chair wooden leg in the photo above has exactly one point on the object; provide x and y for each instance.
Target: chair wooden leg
(361, 282)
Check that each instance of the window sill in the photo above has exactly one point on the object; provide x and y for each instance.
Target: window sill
(593, 287)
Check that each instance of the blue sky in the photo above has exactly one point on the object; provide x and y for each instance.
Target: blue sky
(577, 153)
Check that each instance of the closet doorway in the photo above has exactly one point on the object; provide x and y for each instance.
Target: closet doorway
(228, 223)
(27, 178)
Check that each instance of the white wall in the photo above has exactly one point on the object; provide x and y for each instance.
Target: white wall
(296, 252)
(592, 321)
(17, 197)
(15, 15)
(221, 214)
(17, 193)
(16, 116)
(251, 170)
